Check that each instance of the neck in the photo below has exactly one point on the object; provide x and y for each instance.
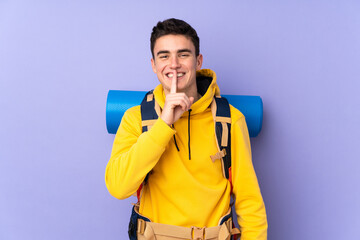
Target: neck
(193, 93)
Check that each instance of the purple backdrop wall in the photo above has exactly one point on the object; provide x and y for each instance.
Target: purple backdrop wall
(59, 59)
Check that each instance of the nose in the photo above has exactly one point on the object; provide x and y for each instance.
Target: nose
(175, 63)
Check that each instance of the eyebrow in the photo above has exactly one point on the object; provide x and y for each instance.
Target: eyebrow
(184, 50)
(162, 52)
(179, 51)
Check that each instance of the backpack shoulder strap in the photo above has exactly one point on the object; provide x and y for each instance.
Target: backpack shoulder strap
(150, 111)
(220, 109)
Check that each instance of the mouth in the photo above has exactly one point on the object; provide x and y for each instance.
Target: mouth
(171, 75)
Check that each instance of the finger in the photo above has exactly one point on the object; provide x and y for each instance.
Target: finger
(175, 99)
(174, 83)
(188, 101)
(179, 103)
(191, 99)
(185, 103)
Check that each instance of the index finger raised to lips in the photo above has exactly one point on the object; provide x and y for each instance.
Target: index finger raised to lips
(174, 83)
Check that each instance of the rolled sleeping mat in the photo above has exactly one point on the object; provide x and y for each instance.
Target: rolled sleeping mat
(119, 101)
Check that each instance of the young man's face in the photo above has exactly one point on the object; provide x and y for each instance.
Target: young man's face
(176, 53)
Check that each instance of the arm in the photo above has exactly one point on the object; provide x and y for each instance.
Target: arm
(249, 204)
(134, 153)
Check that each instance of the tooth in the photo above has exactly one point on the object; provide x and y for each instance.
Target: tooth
(170, 75)
(180, 74)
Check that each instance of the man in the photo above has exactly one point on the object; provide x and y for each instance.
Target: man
(184, 189)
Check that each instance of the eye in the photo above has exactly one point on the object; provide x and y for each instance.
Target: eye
(184, 55)
(163, 56)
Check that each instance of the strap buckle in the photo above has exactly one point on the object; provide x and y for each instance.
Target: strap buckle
(218, 155)
(198, 233)
(141, 226)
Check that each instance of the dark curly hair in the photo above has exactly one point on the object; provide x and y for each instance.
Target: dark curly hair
(176, 27)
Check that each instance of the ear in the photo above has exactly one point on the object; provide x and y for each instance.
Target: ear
(199, 61)
(153, 65)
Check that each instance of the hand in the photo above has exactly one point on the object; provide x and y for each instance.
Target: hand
(175, 103)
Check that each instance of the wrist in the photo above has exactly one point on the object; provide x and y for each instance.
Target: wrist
(166, 121)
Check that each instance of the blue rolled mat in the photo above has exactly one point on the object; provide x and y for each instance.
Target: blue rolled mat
(119, 101)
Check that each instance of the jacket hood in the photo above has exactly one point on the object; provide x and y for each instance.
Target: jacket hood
(206, 87)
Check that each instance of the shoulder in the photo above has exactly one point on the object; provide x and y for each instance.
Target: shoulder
(133, 112)
(132, 118)
(236, 115)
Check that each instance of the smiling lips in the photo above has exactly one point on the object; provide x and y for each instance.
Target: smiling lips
(170, 75)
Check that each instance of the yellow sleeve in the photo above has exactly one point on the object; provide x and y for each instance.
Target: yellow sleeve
(134, 153)
(249, 205)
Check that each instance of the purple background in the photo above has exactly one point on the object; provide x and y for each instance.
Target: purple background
(59, 59)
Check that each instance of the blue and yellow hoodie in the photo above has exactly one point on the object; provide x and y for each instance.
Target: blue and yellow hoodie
(182, 191)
